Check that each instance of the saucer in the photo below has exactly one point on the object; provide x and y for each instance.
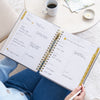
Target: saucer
(89, 14)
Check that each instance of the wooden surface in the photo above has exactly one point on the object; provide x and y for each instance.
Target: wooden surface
(72, 22)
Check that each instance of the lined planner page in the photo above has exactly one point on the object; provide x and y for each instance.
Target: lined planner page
(69, 61)
(30, 40)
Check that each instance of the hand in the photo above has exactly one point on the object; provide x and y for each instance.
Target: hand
(80, 96)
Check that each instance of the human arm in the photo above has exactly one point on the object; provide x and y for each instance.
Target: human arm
(80, 96)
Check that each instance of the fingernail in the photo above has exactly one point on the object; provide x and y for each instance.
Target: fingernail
(83, 86)
(79, 87)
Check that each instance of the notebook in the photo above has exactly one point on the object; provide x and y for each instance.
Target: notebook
(42, 46)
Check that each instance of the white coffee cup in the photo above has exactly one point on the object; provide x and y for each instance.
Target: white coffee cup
(51, 7)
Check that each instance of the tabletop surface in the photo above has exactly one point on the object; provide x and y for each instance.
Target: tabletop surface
(72, 22)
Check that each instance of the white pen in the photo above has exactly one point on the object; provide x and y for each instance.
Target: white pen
(75, 95)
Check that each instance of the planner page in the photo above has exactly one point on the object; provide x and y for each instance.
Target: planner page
(69, 61)
(30, 40)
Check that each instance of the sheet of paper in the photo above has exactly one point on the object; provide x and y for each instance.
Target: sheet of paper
(30, 41)
(69, 61)
(76, 5)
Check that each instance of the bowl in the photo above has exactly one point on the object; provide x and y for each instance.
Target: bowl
(89, 14)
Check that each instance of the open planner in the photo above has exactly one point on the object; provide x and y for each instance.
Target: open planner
(42, 46)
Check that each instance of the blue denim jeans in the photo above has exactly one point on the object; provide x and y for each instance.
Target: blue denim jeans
(35, 86)
(6, 67)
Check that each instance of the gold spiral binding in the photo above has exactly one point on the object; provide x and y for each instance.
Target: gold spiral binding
(49, 51)
(39, 67)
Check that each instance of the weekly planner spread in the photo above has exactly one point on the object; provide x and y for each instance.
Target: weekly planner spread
(42, 46)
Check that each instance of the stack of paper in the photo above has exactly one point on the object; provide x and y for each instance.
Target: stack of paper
(76, 5)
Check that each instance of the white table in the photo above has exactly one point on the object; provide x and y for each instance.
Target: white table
(93, 35)
(72, 22)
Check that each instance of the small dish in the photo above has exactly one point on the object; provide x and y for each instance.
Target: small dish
(89, 14)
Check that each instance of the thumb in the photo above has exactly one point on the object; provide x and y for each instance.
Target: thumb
(73, 92)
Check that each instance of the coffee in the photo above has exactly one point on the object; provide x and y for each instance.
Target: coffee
(51, 6)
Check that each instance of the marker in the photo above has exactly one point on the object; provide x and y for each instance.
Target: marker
(75, 95)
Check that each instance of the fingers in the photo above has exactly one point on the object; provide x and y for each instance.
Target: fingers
(73, 92)
(81, 95)
(77, 89)
(83, 88)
